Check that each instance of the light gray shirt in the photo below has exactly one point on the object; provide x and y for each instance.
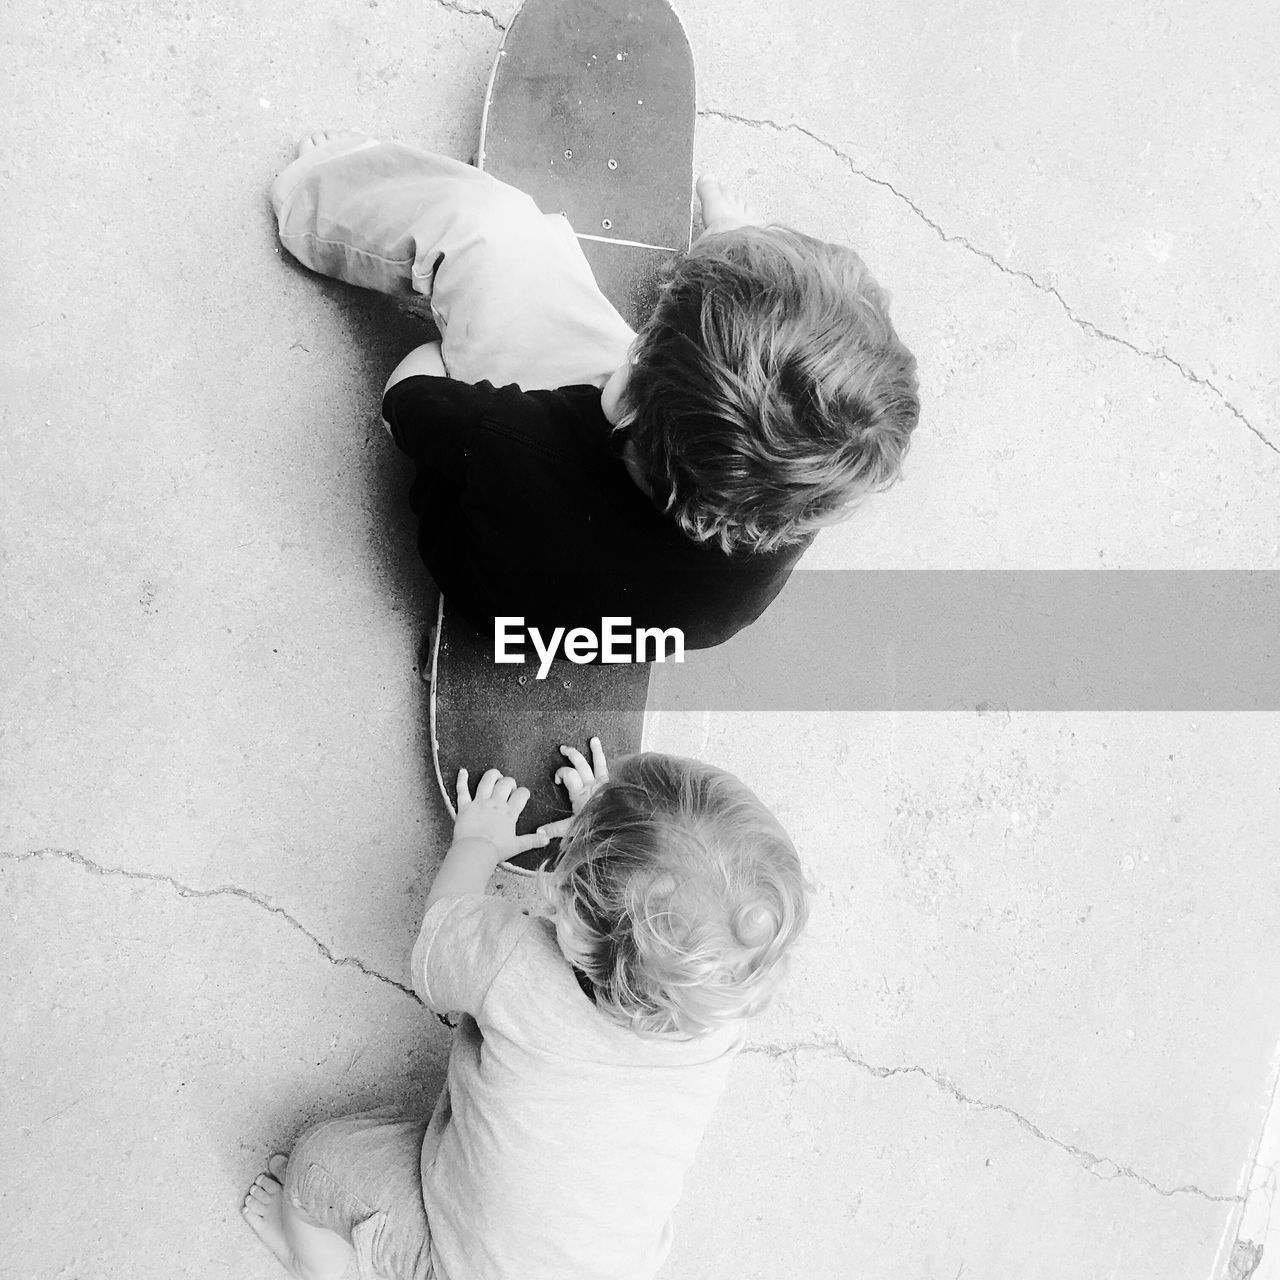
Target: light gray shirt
(559, 1145)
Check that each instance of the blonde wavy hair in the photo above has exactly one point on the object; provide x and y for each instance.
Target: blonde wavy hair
(676, 896)
(768, 393)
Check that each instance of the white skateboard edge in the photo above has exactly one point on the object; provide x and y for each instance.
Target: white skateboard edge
(446, 794)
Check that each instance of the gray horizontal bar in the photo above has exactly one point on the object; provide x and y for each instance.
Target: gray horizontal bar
(1137, 640)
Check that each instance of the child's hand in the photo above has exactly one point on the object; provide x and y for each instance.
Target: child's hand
(581, 780)
(492, 815)
(721, 209)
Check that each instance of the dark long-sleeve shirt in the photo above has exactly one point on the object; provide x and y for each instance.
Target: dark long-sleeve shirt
(525, 508)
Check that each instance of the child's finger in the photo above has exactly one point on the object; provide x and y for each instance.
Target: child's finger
(570, 780)
(579, 762)
(598, 765)
(488, 780)
(519, 798)
(503, 788)
(535, 840)
(463, 794)
(555, 830)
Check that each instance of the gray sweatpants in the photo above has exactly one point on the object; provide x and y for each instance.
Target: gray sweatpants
(507, 285)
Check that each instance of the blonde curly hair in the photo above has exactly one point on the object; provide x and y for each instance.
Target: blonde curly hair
(676, 896)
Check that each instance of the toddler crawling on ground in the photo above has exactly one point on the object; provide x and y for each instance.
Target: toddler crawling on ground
(593, 1041)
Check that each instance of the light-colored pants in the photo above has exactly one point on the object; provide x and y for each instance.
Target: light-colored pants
(508, 286)
(360, 1176)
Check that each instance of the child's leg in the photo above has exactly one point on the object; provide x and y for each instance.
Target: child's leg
(509, 288)
(307, 1250)
(351, 1200)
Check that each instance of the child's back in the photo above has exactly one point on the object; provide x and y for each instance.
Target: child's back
(563, 1147)
(764, 398)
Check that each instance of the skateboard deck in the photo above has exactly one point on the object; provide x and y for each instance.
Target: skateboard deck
(590, 109)
(488, 716)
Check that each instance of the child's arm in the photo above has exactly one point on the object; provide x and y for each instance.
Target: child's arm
(453, 973)
(484, 834)
(425, 359)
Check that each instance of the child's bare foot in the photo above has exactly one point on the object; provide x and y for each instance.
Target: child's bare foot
(324, 137)
(306, 1250)
(264, 1208)
(721, 209)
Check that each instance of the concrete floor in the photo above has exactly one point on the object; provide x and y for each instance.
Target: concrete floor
(1033, 1031)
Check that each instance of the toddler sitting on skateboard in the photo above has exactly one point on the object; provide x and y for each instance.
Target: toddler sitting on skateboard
(593, 1044)
(569, 469)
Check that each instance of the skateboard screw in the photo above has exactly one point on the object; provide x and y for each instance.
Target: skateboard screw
(567, 685)
(521, 679)
(568, 155)
(606, 223)
(613, 164)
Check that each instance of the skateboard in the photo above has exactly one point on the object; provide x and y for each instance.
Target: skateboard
(590, 109)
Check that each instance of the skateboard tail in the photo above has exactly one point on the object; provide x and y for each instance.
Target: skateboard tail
(483, 715)
(447, 788)
(590, 108)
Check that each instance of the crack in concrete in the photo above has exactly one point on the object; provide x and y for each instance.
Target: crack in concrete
(472, 13)
(221, 891)
(1159, 356)
(1099, 1166)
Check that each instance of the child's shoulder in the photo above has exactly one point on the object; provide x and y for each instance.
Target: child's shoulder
(503, 927)
(548, 1003)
